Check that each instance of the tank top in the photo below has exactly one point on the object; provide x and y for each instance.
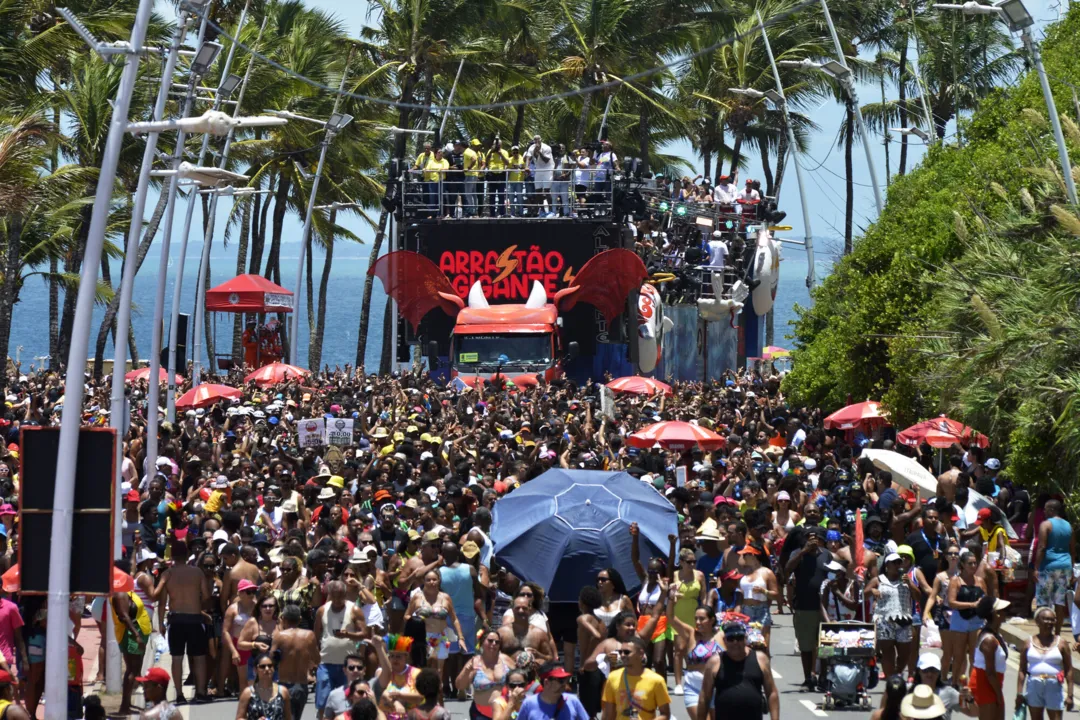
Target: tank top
(1044, 661)
(895, 600)
(1057, 555)
(274, 709)
(648, 598)
(753, 589)
(238, 623)
(147, 601)
(688, 602)
(335, 649)
(702, 651)
(739, 685)
(999, 656)
(458, 584)
(606, 616)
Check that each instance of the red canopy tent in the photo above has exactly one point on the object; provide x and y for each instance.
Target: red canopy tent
(252, 294)
(249, 294)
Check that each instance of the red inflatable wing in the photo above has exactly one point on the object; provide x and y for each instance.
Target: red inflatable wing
(416, 284)
(604, 282)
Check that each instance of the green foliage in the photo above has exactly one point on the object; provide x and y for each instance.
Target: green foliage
(964, 297)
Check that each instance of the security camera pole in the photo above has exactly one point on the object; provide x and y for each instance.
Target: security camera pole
(59, 599)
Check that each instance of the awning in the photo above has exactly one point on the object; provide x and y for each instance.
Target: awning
(249, 294)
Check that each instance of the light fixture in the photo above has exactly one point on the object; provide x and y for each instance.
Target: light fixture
(917, 132)
(969, 8)
(664, 206)
(338, 121)
(1016, 15)
(302, 172)
(202, 175)
(205, 57)
(213, 122)
(776, 97)
(747, 92)
(229, 85)
(680, 210)
(836, 70)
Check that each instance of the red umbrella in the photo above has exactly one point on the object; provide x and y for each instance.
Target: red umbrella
(121, 581)
(941, 432)
(206, 394)
(10, 579)
(864, 415)
(275, 373)
(638, 385)
(675, 435)
(144, 374)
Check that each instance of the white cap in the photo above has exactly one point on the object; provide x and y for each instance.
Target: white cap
(892, 557)
(834, 566)
(929, 660)
(993, 464)
(810, 464)
(145, 554)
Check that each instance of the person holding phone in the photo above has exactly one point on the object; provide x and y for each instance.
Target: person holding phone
(807, 564)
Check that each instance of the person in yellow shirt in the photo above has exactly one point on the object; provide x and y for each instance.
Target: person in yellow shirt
(220, 494)
(434, 172)
(497, 161)
(473, 163)
(516, 179)
(416, 189)
(634, 691)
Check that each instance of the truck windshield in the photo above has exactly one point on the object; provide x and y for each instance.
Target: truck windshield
(519, 348)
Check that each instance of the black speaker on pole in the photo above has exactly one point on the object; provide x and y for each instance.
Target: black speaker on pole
(181, 346)
(92, 526)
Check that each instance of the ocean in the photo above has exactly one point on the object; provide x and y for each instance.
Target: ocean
(30, 327)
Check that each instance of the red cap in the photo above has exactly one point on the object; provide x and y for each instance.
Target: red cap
(983, 516)
(557, 673)
(155, 675)
(133, 496)
(245, 585)
(732, 575)
(5, 678)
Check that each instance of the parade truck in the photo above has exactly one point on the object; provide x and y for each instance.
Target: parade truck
(489, 341)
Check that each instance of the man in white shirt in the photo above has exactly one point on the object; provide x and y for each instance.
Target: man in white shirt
(718, 251)
(725, 192)
(749, 195)
(543, 164)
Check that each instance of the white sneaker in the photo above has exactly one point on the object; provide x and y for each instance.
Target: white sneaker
(678, 690)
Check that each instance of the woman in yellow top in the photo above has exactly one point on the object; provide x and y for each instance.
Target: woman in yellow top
(497, 160)
(133, 627)
(516, 177)
(434, 171)
(689, 583)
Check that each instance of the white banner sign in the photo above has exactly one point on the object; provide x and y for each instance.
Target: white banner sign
(339, 431)
(607, 402)
(312, 432)
(277, 300)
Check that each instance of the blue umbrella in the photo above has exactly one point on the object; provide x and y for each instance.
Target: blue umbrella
(562, 528)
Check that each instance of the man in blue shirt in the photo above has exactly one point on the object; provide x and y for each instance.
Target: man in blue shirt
(553, 703)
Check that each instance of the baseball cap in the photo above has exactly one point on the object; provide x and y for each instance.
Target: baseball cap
(929, 661)
(470, 549)
(810, 464)
(556, 673)
(993, 464)
(983, 516)
(892, 557)
(155, 675)
(245, 585)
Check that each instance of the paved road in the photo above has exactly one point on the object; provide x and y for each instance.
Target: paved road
(794, 704)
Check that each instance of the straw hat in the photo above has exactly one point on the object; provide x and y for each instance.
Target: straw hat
(922, 704)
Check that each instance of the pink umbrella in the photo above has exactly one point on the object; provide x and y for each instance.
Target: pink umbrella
(863, 415)
(638, 385)
(144, 374)
(275, 373)
(941, 432)
(206, 394)
(676, 435)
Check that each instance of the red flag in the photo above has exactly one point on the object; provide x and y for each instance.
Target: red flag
(860, 551)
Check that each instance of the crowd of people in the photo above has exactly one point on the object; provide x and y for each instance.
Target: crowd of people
(369, 569)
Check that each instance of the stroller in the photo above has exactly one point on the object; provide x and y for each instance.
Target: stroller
(847, 652)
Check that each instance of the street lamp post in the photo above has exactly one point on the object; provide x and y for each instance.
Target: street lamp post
(1018, 19)
(117, 418)
(847, 81)
(781, 102)
(59, 599)
(334, 125)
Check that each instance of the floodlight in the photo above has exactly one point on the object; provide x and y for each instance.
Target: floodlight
(1015, 14)
(776, 97)
(229, 85)
(205, 57)
(836, 70)
(917, 132)
(338, 121)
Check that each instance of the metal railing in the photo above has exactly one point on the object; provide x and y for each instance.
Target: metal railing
(457, 194)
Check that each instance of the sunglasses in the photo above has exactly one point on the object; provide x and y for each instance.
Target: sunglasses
(269, 606)
(514, 686)
(525, 594)
(354, 668)
(266, 667)
(603, 579)
(735, 638)
(626, 653)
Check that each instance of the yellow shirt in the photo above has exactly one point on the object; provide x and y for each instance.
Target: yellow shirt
(498, 159)
(646, 692)
(473, 161)
(435, 168)
(215, 502)
(517, 168)
(142, 618)
(423, 159)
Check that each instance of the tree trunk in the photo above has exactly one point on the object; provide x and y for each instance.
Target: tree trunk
(706, 159)
(769, 326)
(73, 264)
(9, 290)
(54, 313)
(583, 119)
(735, 153)
(365, 303)
(241, 261)
(519, 124)
(643, 136)
(316, 345)
(849, 206)
(108, 321)
(133, 349)
(766, 169)
(258, 230)
(106, 277)
(208, 325)
(281, 205)
(782, 149)
(309, 291)
(902, 87)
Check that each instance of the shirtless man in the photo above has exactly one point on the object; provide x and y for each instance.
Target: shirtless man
(155, 683)
(520, 636)
(947, 480)
(237, 569)
(299, 653)
(187, 591)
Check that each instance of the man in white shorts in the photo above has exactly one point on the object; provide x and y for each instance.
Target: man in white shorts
(543, 165)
